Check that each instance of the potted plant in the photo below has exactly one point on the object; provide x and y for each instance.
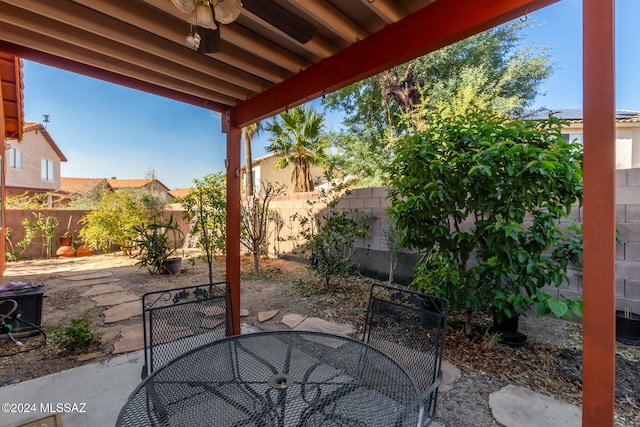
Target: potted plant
(485, 195)
(157, 243)
(627, 326)
(66, 239)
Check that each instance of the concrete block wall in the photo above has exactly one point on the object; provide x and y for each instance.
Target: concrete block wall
(373, 259)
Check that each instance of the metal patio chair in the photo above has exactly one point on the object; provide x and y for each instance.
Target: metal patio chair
(410, 327)
(178, 320)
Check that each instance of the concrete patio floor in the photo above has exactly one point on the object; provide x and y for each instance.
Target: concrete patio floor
(95, 392)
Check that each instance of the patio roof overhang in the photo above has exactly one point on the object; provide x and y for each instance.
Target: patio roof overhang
(262, 70)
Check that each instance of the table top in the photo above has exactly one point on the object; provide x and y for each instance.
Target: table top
(283, 378)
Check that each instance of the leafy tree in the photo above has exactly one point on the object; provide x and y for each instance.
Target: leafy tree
(113, 221)
(28, 202)
(256, 216)
(298, 140)
(205, 209)
(483, 196)
(491, 70)
(91, 199)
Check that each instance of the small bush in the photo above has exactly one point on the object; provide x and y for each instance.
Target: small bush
(76, 334)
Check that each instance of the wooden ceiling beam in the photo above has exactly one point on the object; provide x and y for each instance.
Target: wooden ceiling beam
(73, 65)
(333, 19)
(317, 46)
(395, 44)
(76, 19)
(388, 11)
(74, 59)
(118, 53)
(175, 30)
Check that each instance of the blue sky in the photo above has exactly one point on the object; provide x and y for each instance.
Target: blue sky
(106, 130)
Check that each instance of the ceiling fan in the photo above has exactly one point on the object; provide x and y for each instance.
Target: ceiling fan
(206, 14)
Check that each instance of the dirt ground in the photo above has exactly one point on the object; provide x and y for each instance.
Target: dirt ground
(549, 363)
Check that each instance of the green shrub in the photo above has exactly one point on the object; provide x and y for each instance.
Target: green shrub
(486, 197)
(113, 221)
(76, 334)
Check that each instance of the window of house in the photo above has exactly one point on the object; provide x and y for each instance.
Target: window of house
(15, 158)
(573, 137)
(47, 170)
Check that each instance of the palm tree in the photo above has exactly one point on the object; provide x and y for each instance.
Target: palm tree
(299, 142)
(249, 132)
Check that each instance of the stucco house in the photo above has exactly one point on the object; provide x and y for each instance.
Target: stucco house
(627, 132)
(144, 183)
(74, 187)
(264, 169)
(32, 164)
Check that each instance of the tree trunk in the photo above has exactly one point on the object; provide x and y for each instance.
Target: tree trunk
(468, 331)
(256, 261)
(248, 165)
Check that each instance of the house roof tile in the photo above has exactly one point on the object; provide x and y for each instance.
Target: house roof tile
(80, 185)
(575, 115)
(179, 192)
(134, 183)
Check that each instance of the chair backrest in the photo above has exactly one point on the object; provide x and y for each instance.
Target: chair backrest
(178, 320)
(410, 327)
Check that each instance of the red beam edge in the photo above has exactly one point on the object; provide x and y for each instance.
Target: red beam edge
(447, 21)
(233, 217)
(599, 279)
(3, 262)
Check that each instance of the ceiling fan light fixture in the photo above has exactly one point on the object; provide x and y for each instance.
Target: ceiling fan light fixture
(202, 16)
(227, 11)
(185, 6)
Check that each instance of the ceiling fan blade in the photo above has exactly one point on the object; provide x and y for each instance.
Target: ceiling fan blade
(287, 22)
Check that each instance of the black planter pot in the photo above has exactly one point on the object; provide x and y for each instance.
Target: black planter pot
(172, 265)
(508, 330)
(627, 328)
(432, 306)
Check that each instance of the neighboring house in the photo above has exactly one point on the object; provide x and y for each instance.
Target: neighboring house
(264, 169)
(178, 193)
(139, 184)
(32, 164)
(78, 187)
(627, 133)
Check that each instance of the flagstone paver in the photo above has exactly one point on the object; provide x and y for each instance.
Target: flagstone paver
(64, 284)
(211, 322)
(132, 339)
(244, 312)
(514, 406)
(292, 320)
(88, 276)
(316, 324)
(89, 356)
(101, 289)
(212, 310)
(263, 316)
(122, 311)
(114, 298)
(450, 374)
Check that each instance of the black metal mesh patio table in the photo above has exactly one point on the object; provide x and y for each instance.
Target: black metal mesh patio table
(283, 378)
